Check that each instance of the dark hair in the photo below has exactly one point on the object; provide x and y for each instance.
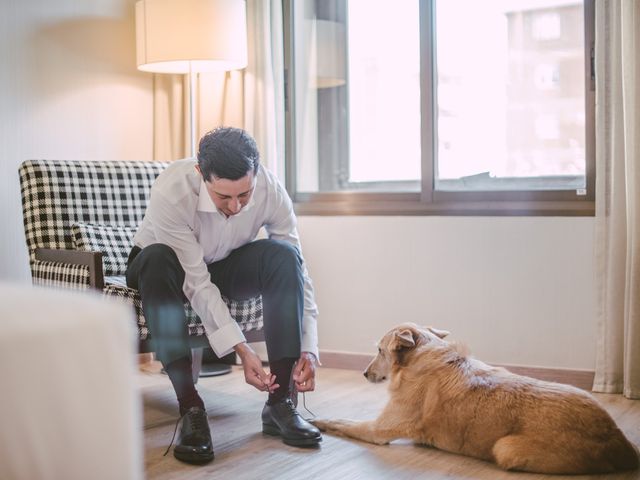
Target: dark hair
(227, 152)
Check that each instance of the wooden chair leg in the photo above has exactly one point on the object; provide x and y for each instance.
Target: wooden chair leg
(196, 363)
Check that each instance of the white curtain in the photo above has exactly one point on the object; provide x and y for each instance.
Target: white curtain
(618, 196)
(251, 98)
(264, 81)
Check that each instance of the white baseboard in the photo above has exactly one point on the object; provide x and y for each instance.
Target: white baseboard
(578, 378)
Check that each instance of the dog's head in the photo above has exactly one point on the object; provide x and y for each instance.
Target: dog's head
(396, 345)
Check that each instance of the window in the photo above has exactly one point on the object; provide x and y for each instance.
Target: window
(440, 106)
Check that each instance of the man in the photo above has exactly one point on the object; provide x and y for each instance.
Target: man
(197, 240)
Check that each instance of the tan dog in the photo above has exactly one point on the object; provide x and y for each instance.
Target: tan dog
(441, 397)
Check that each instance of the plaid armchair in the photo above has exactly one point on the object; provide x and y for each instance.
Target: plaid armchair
(79, 222)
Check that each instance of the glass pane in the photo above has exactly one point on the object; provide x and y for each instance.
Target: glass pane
(510, 95)
(357, 95)
(384, 98)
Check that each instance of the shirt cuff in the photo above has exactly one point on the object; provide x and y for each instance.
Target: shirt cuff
(225, 338)
(310, 345)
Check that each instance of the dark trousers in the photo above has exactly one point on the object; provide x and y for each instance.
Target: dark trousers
(270, 268)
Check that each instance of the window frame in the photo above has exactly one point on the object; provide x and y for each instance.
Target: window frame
(429, 201)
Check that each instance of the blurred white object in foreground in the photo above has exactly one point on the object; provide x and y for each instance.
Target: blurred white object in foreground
(70, 407)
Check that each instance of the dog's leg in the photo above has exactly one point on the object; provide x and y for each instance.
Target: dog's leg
(371, 431)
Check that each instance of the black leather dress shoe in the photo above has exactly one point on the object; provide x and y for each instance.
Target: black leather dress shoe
(194, 444)
(283, 419)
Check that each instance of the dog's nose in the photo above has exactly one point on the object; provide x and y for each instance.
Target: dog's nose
(366, 374)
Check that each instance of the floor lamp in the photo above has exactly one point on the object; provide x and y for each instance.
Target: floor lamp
(189, 37)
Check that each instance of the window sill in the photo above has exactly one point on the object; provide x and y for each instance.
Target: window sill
(575, 208)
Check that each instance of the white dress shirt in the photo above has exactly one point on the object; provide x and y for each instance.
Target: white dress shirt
(182, 215)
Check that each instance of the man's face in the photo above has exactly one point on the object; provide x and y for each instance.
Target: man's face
(230, 196)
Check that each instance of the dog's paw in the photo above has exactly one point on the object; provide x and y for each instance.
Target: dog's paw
(351, 429)
(335, 427)
(323, 425)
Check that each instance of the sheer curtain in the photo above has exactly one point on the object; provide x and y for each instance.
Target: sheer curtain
(264, 81)
(251, 98)
(618, 196)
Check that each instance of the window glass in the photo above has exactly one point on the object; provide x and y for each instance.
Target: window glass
(510, 100)
(384, 110)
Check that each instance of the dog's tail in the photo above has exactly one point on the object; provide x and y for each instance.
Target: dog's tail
(622, 454)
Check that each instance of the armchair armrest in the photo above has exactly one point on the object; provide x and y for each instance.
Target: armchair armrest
(91, 260)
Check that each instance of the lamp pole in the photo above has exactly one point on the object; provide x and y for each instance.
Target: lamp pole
(192, 109)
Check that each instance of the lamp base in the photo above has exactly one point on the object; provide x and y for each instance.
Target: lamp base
(214, 369)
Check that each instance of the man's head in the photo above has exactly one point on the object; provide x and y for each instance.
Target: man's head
(228, 153)
(228, 161)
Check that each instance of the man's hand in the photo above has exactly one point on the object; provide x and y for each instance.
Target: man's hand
(253, 372)
(304, 373)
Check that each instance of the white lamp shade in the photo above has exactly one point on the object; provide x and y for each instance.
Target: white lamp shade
(178, 36)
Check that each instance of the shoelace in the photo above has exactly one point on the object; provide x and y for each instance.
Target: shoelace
(304, 405)
(197, 422)
(291, 407)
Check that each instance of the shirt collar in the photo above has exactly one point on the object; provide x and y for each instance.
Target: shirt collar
(205, 204)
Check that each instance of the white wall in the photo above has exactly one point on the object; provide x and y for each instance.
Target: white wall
(517, 291)
(69, 89)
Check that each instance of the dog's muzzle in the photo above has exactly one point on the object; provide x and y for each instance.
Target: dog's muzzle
(372, 377)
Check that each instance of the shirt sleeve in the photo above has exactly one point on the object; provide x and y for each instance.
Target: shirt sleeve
(282, 226)
(172, 228)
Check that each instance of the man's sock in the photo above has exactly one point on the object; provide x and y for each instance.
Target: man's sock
(282, 370)
(179, 372)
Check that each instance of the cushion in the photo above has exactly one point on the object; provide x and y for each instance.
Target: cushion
(114, 242)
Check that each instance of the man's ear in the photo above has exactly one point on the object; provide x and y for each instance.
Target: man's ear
(403, 339)
(438, 333)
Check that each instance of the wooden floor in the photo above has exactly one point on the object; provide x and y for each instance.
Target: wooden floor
(242, 452)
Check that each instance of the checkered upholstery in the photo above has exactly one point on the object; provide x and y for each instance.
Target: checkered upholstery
(248, 314)
(58, 193)
(131, 296)
(60, 275)
(115, 243)
(95, 205)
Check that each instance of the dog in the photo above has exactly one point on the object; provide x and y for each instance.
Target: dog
(444, 398)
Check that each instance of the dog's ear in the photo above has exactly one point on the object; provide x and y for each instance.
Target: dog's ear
(403, 339)
(438, 333)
